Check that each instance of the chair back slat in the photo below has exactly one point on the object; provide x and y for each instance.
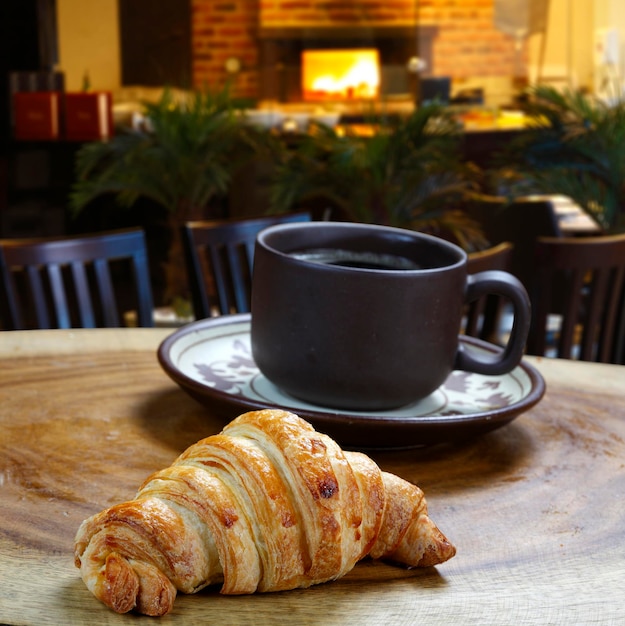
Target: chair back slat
(606, 322)
(572, 303)
(537, 341)
(81, 285)
(35, 284)
(249, 247)
(78, 280)
(141, 274)
(589, 274)
(221, 277)
(200, 267)
(618, 352)
(106, 292)
(58, 294)
(219, 257)
(598, 313)
(9, 308)
(240, 274)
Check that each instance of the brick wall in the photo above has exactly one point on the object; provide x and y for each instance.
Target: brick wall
(223, 29)
(320, 13)
(467, 45)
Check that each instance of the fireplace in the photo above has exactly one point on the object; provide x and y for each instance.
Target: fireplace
(283, 53)
(343, 74)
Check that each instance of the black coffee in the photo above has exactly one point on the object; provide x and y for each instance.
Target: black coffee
(356, 259)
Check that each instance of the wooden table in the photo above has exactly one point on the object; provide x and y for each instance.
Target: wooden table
(572, 219)
(536, 509)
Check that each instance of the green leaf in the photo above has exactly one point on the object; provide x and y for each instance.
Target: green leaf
(188, 153)
(410, 165)
(577, 149)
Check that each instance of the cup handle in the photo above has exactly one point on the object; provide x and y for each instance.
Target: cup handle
(503, 284)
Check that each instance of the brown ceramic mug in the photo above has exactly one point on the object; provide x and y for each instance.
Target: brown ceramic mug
(367, 317)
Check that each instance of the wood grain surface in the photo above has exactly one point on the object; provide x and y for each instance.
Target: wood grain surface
(536, 509)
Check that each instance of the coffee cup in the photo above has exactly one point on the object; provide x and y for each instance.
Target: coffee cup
(368, 317)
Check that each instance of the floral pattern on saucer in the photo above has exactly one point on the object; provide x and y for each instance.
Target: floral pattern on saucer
(228, 367)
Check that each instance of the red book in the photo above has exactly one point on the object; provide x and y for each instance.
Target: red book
(36, 115)
(88, 116)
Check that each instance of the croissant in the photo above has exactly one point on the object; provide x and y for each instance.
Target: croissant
(268, 504)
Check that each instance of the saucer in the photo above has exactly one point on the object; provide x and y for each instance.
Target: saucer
(211, 360)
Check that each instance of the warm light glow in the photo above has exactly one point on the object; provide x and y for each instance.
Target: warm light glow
(340, 74)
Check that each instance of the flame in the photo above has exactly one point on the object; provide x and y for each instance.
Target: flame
(340, 74)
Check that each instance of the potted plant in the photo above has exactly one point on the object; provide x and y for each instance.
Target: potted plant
(409, 174)
(182, 159)
(576, 148)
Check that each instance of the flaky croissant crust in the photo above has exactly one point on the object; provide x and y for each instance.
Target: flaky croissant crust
(268, 504)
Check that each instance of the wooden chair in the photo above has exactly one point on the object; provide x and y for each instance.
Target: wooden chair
(219, 257)
(68, 282)
(484, 315)
(582, 282)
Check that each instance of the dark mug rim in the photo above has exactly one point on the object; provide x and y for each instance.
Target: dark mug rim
(267, 240)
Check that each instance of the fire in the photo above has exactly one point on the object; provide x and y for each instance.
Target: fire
(340, 74)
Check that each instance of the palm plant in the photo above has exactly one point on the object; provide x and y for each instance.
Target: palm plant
(576, 148)
(408, 174)
(182, 159)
